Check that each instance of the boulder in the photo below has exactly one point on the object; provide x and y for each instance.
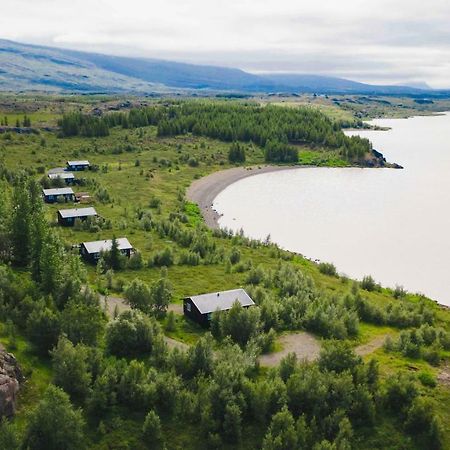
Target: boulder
(10, 379)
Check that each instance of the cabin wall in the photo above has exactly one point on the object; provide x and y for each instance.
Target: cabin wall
(54, 198)
(77, 168)
(194, 314)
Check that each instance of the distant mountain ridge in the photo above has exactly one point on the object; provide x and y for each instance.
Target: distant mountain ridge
(25, 67)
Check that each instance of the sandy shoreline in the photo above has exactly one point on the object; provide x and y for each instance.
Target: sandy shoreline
(204, 190)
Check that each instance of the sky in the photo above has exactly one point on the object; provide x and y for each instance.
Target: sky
(377, 41)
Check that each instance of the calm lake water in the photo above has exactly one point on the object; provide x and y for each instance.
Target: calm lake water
(391, 224)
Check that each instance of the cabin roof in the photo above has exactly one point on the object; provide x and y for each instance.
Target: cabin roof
(224, 300)
(58, 191)
(103, 246)
(77, 212)
(84, 162)
(63, 175)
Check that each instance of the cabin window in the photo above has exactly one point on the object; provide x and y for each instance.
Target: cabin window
(188, 307)
(209, 316)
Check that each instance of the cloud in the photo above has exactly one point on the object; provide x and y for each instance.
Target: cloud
(383, 41)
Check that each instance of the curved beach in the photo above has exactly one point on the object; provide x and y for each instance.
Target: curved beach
(204, 190)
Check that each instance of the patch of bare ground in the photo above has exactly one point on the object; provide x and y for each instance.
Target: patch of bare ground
(444, 375)
(176, 308)
(303, 344)
(113, 303)
(173, 343)
(371, 346)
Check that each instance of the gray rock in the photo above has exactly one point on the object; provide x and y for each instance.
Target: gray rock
(10, 379)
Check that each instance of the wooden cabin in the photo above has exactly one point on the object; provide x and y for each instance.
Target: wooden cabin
(199, 308)
(67, 177)
(91, 251)
(78, 165)
(58, 194)
(67, 217)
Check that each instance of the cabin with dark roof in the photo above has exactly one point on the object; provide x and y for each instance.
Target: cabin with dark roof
(91, 251)
(67, 177)
(67, 217)
(58, 194)
(78, 165)
(200, 308)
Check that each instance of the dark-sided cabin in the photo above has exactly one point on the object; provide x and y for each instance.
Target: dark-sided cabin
(67, 217)
(199, 308)
(67, 177)
(78, 165)
(58, 194)
(91, 251)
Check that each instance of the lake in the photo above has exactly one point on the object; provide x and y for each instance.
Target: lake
(391, 224)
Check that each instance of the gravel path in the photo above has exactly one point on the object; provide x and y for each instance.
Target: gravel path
(177, 308)
(172, 343)
(112, 302)
(303, 344)
(204, 190)
(371, 346)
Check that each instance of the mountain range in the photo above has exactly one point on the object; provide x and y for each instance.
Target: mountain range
(26, 67)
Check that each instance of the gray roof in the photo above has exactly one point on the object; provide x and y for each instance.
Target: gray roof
(57, 170)
(77, 212)
(58, 191)
(103, 246)
(222, 301)
(63, 175)
(78, 163)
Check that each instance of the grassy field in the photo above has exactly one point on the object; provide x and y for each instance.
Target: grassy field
(345, 108)
(135, 167)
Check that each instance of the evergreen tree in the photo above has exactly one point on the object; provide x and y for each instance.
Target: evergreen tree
(281, 434)
(55, 424)
(236, 153)
(39, 229)
(51, 263)
(152, 429)
(114, 257)
(70, 369)
(43, 328)
(21, 224)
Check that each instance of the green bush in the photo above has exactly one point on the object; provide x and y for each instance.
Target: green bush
(427, 379)
(369, 284)
(163, 258)
(328, 269)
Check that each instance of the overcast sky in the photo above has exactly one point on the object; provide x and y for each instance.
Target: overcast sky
(378, 41)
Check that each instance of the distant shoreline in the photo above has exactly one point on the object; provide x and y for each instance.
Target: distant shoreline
(204, 190)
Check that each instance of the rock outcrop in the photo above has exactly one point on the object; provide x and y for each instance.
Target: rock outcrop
(10, 379)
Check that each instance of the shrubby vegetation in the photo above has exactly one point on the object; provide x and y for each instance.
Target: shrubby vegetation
(425, 342)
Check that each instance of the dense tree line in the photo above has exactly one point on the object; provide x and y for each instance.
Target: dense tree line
(275, 129)
(270, 127)
(78, 124)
